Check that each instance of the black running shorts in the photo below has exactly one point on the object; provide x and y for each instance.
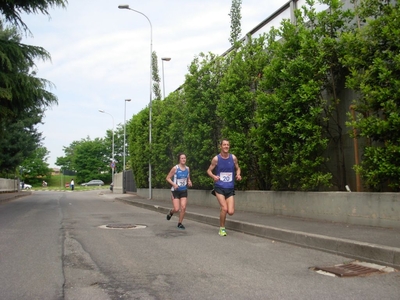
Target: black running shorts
(179, 194)
(226, 192)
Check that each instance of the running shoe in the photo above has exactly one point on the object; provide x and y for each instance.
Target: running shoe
(222, 232)
(169, 216)
(180, 226)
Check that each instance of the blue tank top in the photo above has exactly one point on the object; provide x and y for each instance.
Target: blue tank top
(180, 178)
(226, 171)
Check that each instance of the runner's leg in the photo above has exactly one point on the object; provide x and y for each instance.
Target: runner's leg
(231, 205)
(223, 209)
(175, 203)
(183, 202)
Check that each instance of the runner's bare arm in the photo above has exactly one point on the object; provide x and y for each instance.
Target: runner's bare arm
(169, 176)
(212, 166)
(237, 168)
(189, 181)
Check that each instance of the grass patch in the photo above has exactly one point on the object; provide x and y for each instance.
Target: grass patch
(57, 182)
(77, 188)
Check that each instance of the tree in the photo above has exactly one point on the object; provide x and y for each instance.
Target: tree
(278, 99)
(138, 141)
(236, 16)
(35, 167)
(202, 125)
(155, 76)
(372, 55)
(168, 136)
(303, 67)
(118, 146)
(67, 162)
(19, 88)
(238, 105)
(11, 10)
(327, 28)
(23, 96)
(92, 160)
(19, 140)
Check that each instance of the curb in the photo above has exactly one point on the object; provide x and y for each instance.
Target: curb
(14, 196)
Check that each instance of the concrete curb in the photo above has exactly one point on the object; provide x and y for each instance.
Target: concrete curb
(12, 196)
(389, 256)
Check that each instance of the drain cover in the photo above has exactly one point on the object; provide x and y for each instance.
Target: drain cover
(122, 226)
(348, 270)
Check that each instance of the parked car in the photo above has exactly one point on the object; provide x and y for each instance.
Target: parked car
(26, 186)
(93, 183)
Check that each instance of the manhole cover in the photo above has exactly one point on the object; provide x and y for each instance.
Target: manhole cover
(122, 226)
(348, 270)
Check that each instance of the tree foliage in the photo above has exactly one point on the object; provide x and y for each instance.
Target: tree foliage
(279, 99)
(298, 108)
(373, 57)
(11, 10)
(139, 150)
(201, 124)
(19, 140)
(155, 76)
(236, 17)
(34, 169)
(19, 88)
(23, 96)
(90, 159)
(237, 107)
(167, 135)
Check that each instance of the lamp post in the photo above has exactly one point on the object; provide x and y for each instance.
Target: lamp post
(112, 159)
(162, 60)
(124, 183)
(151, 70)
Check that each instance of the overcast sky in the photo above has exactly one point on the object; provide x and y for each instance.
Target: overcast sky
(101, 56)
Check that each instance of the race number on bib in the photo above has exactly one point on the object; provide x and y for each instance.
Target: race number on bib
(181, 182)
(226, 176)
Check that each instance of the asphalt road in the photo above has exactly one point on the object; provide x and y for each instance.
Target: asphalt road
(53, 245)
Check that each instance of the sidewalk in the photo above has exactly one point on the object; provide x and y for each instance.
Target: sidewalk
(372, 244)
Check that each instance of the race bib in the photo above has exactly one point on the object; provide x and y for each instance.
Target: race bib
(226, 176)
(181, 182)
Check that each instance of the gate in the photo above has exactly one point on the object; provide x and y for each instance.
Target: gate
(129, 182)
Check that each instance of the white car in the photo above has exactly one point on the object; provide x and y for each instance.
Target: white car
(26, 186)
(93, 183)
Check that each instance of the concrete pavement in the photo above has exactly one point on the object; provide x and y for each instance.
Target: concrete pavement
(365, 243)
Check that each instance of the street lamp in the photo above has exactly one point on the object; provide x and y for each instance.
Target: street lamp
(164, 59)
(113, 161)
(125, 6)
(124, 183)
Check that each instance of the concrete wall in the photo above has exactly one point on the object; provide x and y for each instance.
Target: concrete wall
(8, 185)
(118, 178)
(371, 209)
